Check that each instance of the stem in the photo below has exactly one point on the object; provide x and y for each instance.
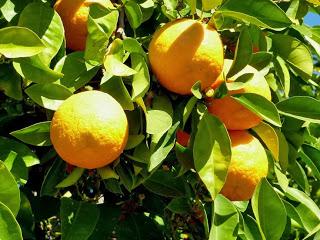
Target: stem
(120, 31)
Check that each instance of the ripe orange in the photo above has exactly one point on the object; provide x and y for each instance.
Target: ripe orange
(74, 15)
(249, 163)
(89, 129)
(234, 115)
(183, 52)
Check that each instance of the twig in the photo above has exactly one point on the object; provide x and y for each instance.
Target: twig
(120, 33)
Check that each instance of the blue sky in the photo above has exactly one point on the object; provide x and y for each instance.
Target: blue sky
(312, 19)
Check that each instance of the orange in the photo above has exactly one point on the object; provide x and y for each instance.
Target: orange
(74, 15)
(183, 52)
(234, 115)
(89, 129)
(249, 163)
(183, 138)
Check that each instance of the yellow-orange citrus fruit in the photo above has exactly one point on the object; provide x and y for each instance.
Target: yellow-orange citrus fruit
(183, 52)
(234, 115)
(249, 163)
(74, 15)
(89, 129)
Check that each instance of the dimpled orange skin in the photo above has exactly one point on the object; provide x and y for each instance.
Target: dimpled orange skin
(234, 115)
(249, 163)
(183, 52)
(74, 15)
(89, 129)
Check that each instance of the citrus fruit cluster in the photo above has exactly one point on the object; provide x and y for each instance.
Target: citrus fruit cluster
(90, 129)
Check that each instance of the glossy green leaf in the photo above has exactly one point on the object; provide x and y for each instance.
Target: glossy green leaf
(49, 29)
(78, 219)
(165, 184)
(158, 121)
(180, 205)
(18, 42)
(251, 11)
(283, 73)
(212, 153)
(311, 157)
(77, 72)
(25, 217)
(225, 220)
(260, 60)
(193, 5)
(33, 69)
(7, 145)
(37, 134)
(10, 82)
(196, 90)
(9, 190)
(295, 53)
(163, 147)
(134, 13)
(107, 173)
(53, 176)
(71, 179)
(9, 227)
(210, 4)
(116, 88)
(251, 228)
(271, 214)
(102, 22)
(49, 96)
(308, 210)
(259, 105)
(140, 80)
(301, 107)
(243, 53)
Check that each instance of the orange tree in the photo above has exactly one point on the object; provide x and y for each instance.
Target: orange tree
(159, 119)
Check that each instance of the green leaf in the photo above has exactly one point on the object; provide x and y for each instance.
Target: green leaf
(7, 145)
(188, 110)
(102, 22)
(180, 205)
(9, 190)
(260, 106)
(260, 60)
(298, 174)
(25, 217)
(132, 45)
(77, 72)
(263, 13)
(33, 69)
(134, 141)
(37, 134)
(115, 67)
(193, 5)
(9, 227)
(107, 173)
(78, 219)
(54, 175)
(49, 96)
(49, 28)
(270, 138)
(10, 82)
(71, 179)
(163, 147)
(207, 5)
(165, 184)
(283, 73)
(269, 211)
(283, 150)
(314, 233)
(243, 53)
(311, 157)
(308, 210)
(140, 80)
(225, 222)
(158, 121)
(134, 13)
(301, 107)
(116, 88)
(295, 53)
(251, 229)
(18, 42)
(196, 90)
(212, 153)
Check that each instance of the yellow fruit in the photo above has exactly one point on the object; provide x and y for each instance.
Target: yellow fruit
(249, 163)
(234, 115)
(74, 15)
(89, 129)
(183, 52)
